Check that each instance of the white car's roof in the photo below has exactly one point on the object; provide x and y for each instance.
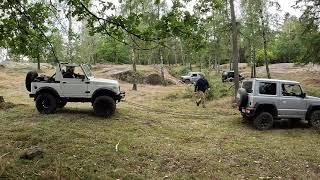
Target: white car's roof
(276, 80)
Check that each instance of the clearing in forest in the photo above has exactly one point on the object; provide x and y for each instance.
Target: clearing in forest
(156, 134)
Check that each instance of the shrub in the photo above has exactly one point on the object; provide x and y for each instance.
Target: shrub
(218, 89)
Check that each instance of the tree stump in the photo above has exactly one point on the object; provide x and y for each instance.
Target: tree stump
(1, 99)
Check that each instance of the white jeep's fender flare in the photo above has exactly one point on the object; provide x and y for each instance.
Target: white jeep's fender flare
(103, 92)
(49, 90)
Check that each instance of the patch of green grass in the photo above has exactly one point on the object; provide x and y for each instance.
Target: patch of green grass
(151, 145)
(312, 91)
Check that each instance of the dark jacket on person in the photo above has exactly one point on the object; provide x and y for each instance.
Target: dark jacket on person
(201, 85)
(69, 74)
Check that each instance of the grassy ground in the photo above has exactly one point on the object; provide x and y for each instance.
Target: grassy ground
(164, 138)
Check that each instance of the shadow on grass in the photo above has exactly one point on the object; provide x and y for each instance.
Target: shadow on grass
(287, 124)
(69, 110)
(85, 112)
(291, 124)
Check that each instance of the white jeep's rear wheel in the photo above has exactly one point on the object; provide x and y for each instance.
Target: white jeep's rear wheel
(46, 103)
(104, 106)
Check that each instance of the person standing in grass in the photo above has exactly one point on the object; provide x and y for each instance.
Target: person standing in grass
(202, 85)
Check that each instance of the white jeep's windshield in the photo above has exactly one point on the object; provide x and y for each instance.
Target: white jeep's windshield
(87, 70)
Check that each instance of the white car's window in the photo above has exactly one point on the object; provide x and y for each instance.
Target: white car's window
(78, 70)
(72, 72)
(268, 88)
(291, 90)
(194, 75)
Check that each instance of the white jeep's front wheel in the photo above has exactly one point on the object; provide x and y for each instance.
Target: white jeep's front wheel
(104, 106)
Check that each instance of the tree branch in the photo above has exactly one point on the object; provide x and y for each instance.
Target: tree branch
(117, 24)
(40, 30)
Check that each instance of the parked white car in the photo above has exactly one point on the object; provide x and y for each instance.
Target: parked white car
(191, 77)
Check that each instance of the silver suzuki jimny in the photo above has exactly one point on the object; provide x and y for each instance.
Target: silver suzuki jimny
(263, 101)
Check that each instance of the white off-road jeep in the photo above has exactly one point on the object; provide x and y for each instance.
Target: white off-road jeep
(52, 92)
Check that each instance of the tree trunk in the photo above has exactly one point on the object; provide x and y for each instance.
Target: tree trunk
(162, 69)
(38, 61)
(235, 48)
(69, 50)
(215, 62)
(134, 87)
(95, 58)
(266, 61)
(1, 99)
(168, 58)
(218, 67)
(175, 57)
(190, 65)
(254, 62)
(251, 58)
(182, 54)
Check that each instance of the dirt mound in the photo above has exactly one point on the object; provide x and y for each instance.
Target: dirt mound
(154, 79)
(313, 82)
(129, 76)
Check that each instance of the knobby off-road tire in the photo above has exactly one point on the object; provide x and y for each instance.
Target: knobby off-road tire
(61, 104)
(46, 103)
(263, 121)
(29, 78)
(315, 119)
(104, 106)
